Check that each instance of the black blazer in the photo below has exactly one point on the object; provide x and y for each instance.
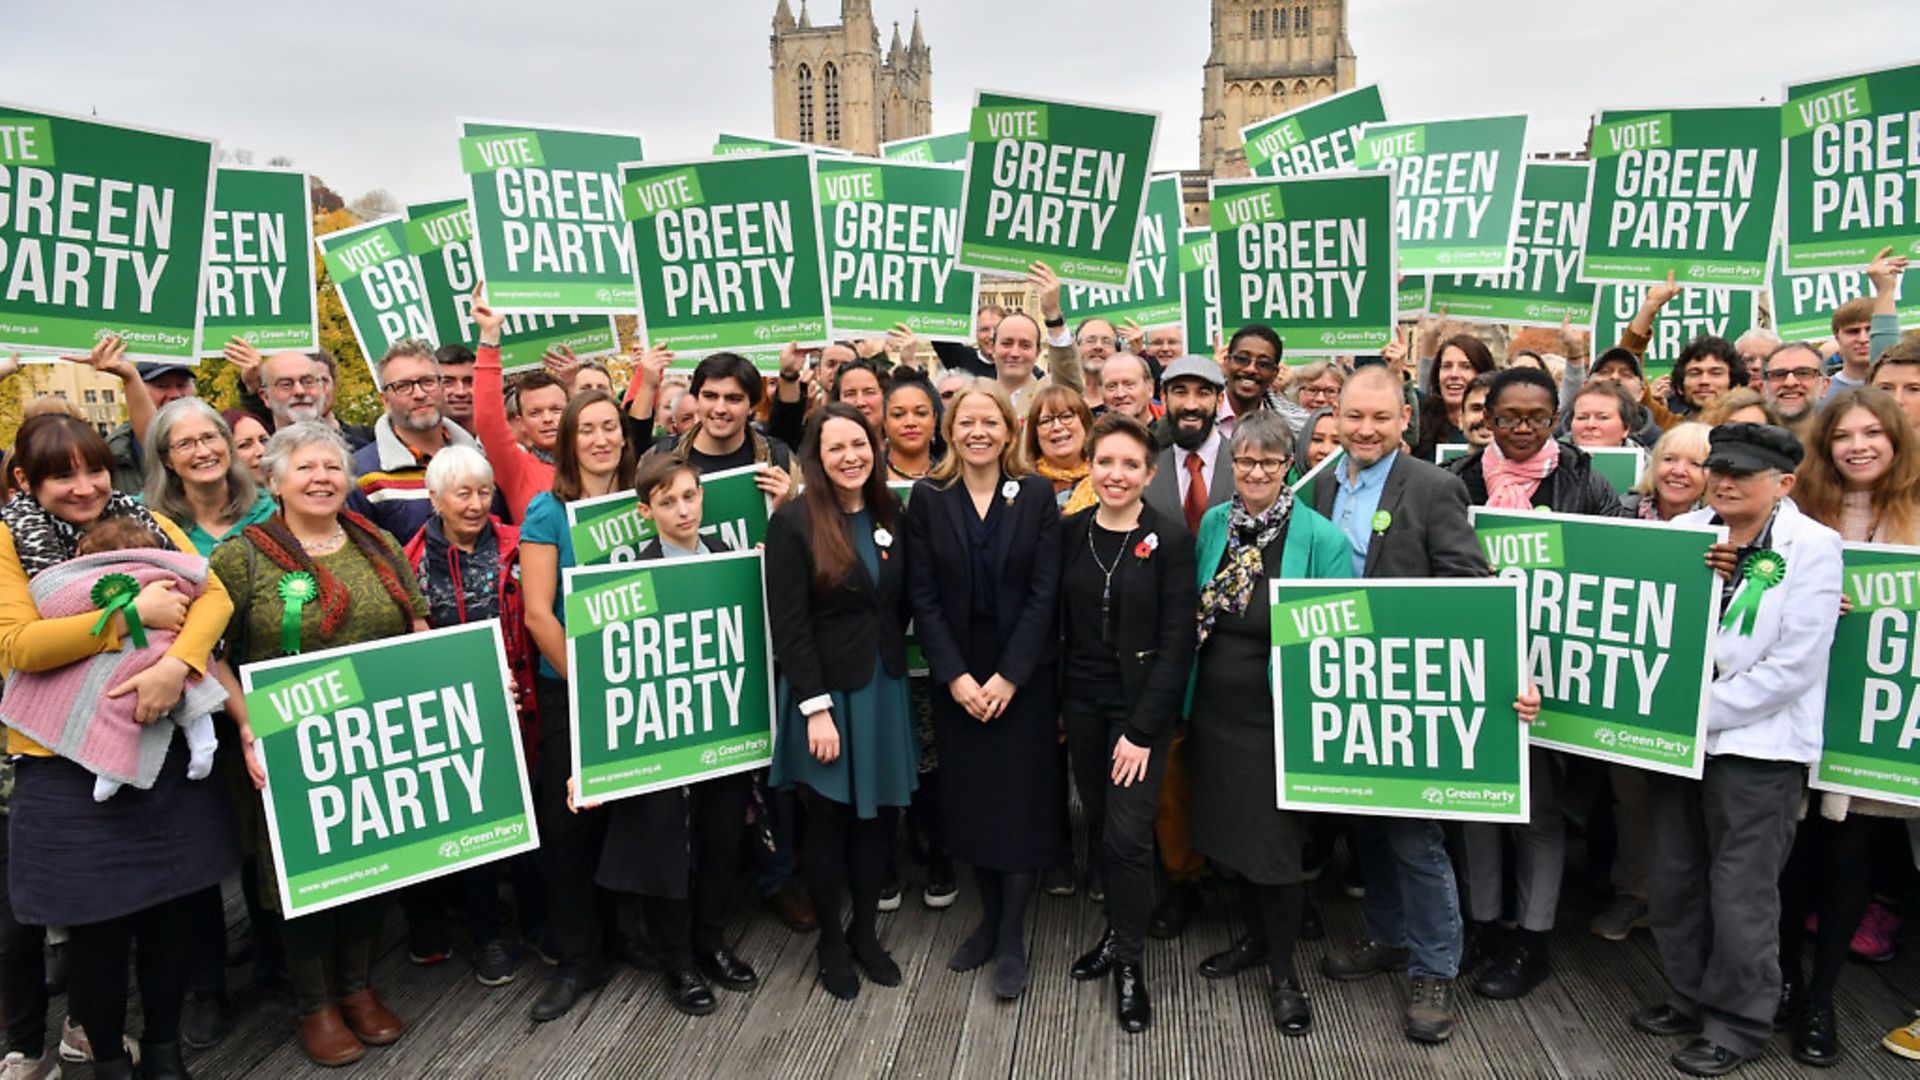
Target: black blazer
(940, 579)
(827, 640)
(1428, 534)
(1154, 602)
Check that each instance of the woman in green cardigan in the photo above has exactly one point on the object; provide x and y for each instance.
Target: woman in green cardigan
(1260, 534)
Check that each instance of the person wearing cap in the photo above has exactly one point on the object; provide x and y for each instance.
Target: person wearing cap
(1719, 843)
(149, 388)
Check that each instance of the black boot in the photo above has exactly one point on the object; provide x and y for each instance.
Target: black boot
(1814, 1040)
(1518, 970)
(161, 1061)
(1130, 996)
(1096, 961)
(1291, 1012)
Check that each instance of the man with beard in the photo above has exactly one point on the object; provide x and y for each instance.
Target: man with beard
(1795, 385)
(390, 473)
(1097, 341)
(290, 383)
(1251, 365)
(256, 396)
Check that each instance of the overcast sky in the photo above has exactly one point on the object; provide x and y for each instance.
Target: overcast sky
(365, 93)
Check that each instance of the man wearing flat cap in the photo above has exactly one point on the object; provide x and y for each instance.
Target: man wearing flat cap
(1718, 844)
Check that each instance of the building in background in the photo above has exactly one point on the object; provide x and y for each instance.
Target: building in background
(1267, 58)
(832, 86)
(99, 397)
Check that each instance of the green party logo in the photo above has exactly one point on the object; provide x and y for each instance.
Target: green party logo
(851, 185)
(1332, 616)
(993, 123)
(1651, 132)
(501, 150)
(1844, 101)
(642, 199)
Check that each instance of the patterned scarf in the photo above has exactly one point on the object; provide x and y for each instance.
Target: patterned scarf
(44, 540)
(276, 541)
(1510, 483)
(1248, 536)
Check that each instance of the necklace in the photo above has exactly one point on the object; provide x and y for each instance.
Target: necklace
(326, 543)
(1106, 584)
(904, 474)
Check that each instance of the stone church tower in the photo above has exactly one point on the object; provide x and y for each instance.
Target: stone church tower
(833, 86)
(1267, 58)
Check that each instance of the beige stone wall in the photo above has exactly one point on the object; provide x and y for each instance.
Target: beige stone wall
(879, 97)
(1268, 57)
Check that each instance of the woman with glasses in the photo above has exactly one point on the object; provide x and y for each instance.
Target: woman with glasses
(1524, 467)
(1317, 385)
(1056, 445)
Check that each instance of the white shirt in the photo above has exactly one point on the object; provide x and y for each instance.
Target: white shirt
(1209, 452)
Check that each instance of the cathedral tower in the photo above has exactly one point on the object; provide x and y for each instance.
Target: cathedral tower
(1267, 58)
(832, 85)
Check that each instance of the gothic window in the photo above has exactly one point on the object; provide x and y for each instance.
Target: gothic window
(1257, 23)
(806, 103)
(830, 92)
(1279, 21)
(1257, 103)
(1302, 20)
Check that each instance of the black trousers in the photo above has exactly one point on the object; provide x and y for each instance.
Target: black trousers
(1829, 873)
(160, 940)
(1119, 819)
(717, 829)
(23, 974)
(569, 842)
(845, 855)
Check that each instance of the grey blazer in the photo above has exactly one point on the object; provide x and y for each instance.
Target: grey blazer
(1427, 534)
(1163, 491)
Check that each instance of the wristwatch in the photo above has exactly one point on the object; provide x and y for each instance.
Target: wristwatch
(1055, 324)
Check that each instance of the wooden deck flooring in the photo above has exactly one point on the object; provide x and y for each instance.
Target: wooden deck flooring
(941, 1024)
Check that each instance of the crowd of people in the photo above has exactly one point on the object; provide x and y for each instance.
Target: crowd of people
(1077, 523)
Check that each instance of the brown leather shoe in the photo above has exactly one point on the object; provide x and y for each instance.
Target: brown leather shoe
(791, 906)
(327, 1039)
(372, 1021)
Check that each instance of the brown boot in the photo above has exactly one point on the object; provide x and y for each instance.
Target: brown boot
(327, 1039)
(372, 1021)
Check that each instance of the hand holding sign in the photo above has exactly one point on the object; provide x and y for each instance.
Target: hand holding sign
(1885, 270)
(1527, 705)
(1721, 558)
(652, 364)
(563, 365)
(1135, 338)
(776, 483)
(109, 356)
(1042, 277)
(488, 321)
(245, 359)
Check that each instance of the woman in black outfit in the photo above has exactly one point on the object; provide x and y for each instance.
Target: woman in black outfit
(836, 594)
(983, 569)
(1128, 594)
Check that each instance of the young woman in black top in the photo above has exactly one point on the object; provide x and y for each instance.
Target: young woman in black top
(1128, 594)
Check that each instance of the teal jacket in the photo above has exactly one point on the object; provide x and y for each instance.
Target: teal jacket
(1314, 548)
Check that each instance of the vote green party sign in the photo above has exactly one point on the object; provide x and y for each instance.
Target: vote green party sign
(1151, 295)
(379, 284)
(1873, 683)
(103, 229)
(1320, 137)
(1456, 188)
(1055, 182)
(891, 230)
(1690, 192)
(440, 237)
(1699, 309)
(1200, 288)
(1852, 144)
(1803, 303)
(609, 529)
(1313, 256)
(259, 274)
(728, 251)
(1380, 708)
(727, 144)
(547, 229)
(388, 763)
(1541, 285)
(672, 673)
(948, 149)
(1620, 626)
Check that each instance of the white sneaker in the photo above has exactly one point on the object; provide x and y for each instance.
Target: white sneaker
(74, 1046)
(17, 1066)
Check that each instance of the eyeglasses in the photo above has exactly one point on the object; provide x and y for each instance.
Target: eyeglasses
(1271, 466)
(1310, 390)
(198, 442)
(1264, 363)
(1512, 423)
(304, 382)
(1098, 339)
(426, 384)
(1053, 419)
(1800, 374)
(947, 395)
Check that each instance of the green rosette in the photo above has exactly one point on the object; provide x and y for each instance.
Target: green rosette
(1761, 571)
(118, 592)
(296, 591)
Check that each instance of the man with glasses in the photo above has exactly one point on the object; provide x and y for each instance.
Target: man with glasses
(390, 473)
(950, 384)
(1795, 385)
(1098, 342)
(291, 383)
(1250, 366)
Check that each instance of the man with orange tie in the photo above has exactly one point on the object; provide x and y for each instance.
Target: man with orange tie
(1189, 476)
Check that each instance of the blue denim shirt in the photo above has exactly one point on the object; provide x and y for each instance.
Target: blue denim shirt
(1355, 503)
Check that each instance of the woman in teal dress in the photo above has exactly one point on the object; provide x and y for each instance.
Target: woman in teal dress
(836, 594)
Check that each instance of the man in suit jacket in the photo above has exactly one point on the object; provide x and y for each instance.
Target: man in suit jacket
(1402, 518)
(1192, 394)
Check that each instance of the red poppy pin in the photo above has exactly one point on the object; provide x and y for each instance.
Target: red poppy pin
(1146, 546)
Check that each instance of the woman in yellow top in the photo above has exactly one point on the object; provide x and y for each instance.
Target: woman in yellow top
(125, 870)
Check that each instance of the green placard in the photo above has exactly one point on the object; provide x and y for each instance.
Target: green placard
(548, 234)
(890, 231)
(1412, 296)
(103, 230)
(1803, 303)
(673, 690)
(1851, 144)
(1381, 709)
(728, 252)
(1320, 137)
(440, 236)
(1054, 182)
(1541, 286)
(1620, 466)
(609, 529)
(1456, 189)
(380, 285)
(1873, 689)
(948, 149)
(1306, 489)
(1699, 309)
(1320, 270)
(1200, 286)
(389, 763)
(1686, 191)
(1620, 628)
(259, 273)
(1151, 295)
